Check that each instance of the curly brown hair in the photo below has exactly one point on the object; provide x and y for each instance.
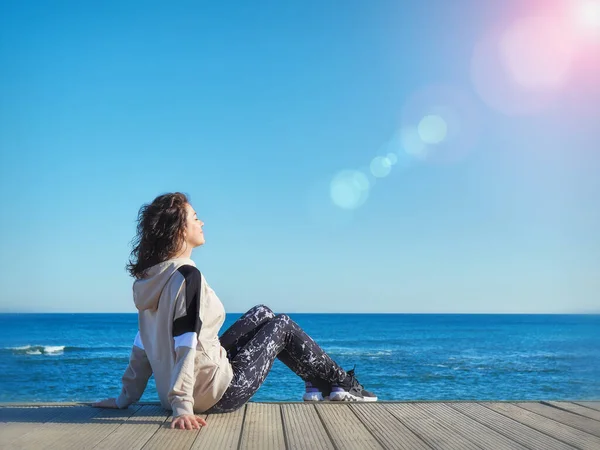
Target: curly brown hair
(160, 228)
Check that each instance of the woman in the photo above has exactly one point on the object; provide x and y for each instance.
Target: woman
(179, 319)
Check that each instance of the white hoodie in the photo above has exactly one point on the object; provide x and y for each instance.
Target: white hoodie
(179, 320)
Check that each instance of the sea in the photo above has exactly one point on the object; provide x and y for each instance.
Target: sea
(82, 357)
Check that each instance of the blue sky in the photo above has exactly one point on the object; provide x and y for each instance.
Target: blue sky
(253, 111)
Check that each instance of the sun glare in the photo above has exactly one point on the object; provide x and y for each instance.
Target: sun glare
(537, 53)
(587, 14)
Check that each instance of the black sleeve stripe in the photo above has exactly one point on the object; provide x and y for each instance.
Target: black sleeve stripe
(190, 322)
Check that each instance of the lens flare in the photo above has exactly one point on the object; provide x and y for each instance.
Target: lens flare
(395, 149)
(439, 124)
(349, 189)
(322, 212)
(432, 129)
(380, 166)
(392, 158)
(412, 143)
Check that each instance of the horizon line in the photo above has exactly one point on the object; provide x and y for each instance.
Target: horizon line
(591, 313)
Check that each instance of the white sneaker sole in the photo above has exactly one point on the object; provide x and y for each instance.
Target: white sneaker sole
(348, 397)
(312, 397)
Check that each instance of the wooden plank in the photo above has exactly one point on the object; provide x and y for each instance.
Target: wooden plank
(223, 431)
(64, 424)
(175, 438)
(94, 430)
(591, 405)
(18, 421)
(136, 430)
(509, 427)
(551, 427)
(480, 434)
(40, 404)
(263, 427)
(304, 429)
(29, 413)
(389, 431)
(577, 409)
(575, 420)
(345, 428)
(434, 432)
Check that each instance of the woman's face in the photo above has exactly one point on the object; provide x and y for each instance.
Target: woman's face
(194, 235)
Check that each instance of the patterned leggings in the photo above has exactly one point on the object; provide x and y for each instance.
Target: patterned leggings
(255, 340)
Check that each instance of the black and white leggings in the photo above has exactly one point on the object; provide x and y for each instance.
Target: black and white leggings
(255, 340)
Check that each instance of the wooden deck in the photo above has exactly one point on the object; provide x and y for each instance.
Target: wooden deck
(544, 425)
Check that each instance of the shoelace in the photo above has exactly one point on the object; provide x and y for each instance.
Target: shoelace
(353, 379)
(351, 371)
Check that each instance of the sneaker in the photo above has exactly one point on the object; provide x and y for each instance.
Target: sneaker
(314, 394)
(352, 391)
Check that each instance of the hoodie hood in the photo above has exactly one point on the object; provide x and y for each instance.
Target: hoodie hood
(147, 291)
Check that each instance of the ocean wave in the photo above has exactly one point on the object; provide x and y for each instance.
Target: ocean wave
(345, 351)
(38, 349)
(54, 349)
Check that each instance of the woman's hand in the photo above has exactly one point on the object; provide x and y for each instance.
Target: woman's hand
(188, 422)
(107, 403)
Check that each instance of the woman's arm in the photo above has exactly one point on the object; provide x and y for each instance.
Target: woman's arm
(136, 376)
(186, 329)
(134, 380)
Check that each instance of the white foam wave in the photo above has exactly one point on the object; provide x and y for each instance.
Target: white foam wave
(39, 349)
(357, 352)
(52, 349)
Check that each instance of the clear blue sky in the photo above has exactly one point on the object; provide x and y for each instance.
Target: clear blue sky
(253, 110)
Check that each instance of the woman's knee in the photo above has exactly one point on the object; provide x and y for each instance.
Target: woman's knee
(264, 310)
(283, 317)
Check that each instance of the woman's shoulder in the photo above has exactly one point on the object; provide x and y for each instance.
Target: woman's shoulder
(191, 275)
(189, 269)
